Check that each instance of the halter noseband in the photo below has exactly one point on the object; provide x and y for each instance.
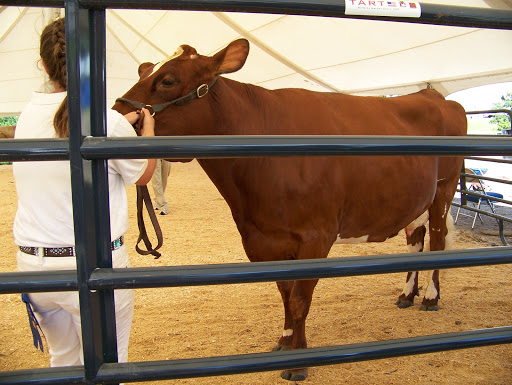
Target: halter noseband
(198, 93)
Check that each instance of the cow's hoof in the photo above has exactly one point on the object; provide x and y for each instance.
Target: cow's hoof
(429, 307)
(280, 347)
(295, 374)
(404, 304)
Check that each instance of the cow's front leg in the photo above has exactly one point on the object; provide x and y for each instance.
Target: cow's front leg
(299, 304)
(415, 244)
(285, 342)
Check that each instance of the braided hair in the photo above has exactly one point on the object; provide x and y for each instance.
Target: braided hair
(52, 50)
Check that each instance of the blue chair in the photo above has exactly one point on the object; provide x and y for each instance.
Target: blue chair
(477, 186)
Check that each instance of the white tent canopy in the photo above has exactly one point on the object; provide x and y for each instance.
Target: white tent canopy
(360, 57)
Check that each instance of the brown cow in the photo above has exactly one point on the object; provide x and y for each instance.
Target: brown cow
(297, 207)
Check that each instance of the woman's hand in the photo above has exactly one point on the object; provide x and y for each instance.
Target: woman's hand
(148, 124)
(132, 117)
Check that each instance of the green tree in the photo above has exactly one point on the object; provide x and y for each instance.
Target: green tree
(9, 121)
(502, 121)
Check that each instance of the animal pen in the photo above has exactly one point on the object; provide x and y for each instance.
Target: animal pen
(88, 150)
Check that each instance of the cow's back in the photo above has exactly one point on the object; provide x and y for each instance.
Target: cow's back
(425, 113)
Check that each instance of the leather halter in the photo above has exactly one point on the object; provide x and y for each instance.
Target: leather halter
(198, 93)
(143, 197)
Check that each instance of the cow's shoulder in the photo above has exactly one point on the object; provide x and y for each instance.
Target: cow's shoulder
(430, 93)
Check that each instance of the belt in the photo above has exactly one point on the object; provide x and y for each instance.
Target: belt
(63, 251)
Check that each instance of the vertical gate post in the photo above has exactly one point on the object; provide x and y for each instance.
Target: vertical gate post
(462, 184)
(85, 47)
(100, 172)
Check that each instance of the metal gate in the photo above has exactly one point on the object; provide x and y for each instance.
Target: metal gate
(88, 149)
(472, 195)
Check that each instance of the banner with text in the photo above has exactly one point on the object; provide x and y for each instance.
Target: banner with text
(383, 8)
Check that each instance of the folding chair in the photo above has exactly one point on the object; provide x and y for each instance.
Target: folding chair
(476, 185)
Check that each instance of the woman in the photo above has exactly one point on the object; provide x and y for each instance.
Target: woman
(43, 226)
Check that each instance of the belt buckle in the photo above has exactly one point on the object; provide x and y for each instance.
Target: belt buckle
(117, 243)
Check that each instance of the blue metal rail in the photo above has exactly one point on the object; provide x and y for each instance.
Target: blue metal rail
(85, 29)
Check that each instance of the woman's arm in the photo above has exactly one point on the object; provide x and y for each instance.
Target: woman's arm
(148, 129)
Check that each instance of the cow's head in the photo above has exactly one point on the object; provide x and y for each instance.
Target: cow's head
(181, 77)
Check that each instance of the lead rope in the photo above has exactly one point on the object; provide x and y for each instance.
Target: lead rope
(144, 199)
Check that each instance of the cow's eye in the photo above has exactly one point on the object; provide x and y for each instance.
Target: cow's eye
(168, 82)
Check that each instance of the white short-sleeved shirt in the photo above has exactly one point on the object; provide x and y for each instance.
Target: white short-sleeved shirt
(45, 214)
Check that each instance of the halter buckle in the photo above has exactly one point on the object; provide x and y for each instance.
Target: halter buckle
(150, 108)
(202, 90)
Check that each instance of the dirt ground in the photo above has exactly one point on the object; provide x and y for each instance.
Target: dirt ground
(222, 320)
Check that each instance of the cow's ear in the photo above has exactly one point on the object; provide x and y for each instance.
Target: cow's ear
(144, 67)
(233, 57)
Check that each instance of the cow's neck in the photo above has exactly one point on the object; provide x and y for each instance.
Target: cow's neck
(237, 110)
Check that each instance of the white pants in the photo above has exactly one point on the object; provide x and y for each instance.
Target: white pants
(159, 183)
(58, 313)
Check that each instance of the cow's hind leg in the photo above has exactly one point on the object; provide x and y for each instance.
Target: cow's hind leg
(415, 243)
(440, 228)
(432, 294)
